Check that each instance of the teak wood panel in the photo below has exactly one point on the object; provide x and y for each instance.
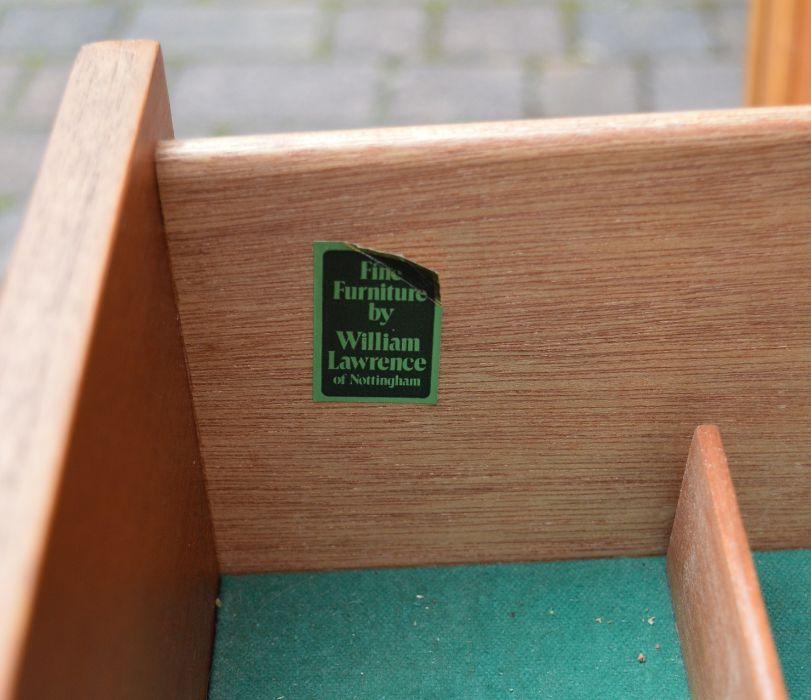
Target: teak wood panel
(725, 637)
(779, 54)
(109, 573)
(607, 284)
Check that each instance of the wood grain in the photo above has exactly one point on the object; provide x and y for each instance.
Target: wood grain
(725, 636)
(607, 285)
(109, 574)
(779, 54)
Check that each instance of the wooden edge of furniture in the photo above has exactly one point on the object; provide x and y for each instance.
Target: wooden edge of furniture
(725, 635)
(109, 574)
(779, 54)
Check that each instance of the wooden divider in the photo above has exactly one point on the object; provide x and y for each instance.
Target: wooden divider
(726, 641)
(109, 576)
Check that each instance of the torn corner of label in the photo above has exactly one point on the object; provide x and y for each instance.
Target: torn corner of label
(415, 275)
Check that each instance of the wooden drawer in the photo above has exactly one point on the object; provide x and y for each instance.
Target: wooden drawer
(608, 285)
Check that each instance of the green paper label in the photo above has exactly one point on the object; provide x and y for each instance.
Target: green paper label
(376, 327)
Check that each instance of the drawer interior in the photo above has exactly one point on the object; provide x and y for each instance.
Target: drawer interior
(607, 286)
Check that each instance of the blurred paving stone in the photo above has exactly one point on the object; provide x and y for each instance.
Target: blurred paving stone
(251, 98)
(10, 222)
(371, 4)
(188, 4)
(608, 32)
(54, 29)
(697, 85)
(731, 29)
(46, 3)
(385, 31)
(202, 32)
(20, 155)
(503, 30)
(38, 104)
(434, 94)
(9, 75)
(581, 90)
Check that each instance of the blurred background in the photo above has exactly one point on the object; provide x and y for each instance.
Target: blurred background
(243, 66)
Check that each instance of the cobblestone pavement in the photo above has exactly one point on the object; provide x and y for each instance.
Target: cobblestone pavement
(280, 65)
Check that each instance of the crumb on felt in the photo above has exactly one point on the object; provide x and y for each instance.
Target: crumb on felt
(657, 646)
(218, 602)
(651, 620)
(598, 620)
(641, 658)
(551, 612)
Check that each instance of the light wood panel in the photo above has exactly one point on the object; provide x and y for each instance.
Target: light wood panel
(607, 284)
(725, 637)
(109, 574)
(779, 56)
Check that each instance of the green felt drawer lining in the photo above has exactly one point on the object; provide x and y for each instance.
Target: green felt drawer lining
(570, 629)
